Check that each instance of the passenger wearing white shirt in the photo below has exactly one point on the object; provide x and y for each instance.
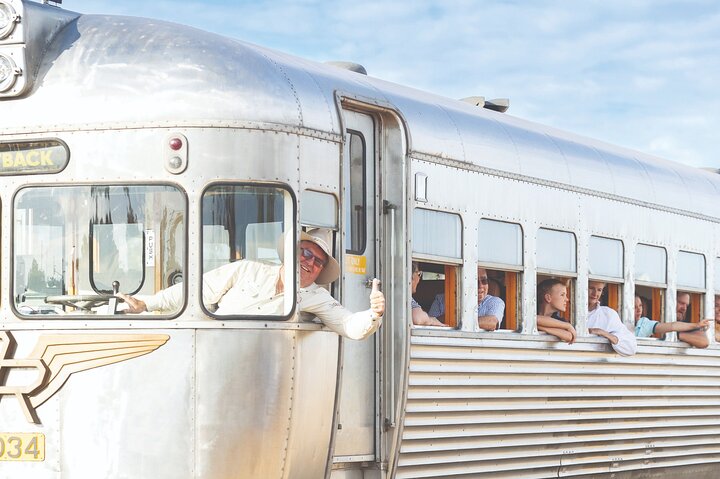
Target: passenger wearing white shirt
(605, 322)
(256, 288)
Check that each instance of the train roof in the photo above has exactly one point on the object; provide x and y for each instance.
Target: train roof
(99, 71)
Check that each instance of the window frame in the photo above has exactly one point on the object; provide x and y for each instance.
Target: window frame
(556, 272)
(348, 201)
(433, 258)
(686, 287)
(72, 316)
(513, 277)
(658, 290)
(293, 223)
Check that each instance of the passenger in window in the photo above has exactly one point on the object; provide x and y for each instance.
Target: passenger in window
(256, 288)
(553, 300)
(490, 309)
(646, 327)
(420, 317)
(717, 318)
(494, 288)
(695, 336)
(605, 322)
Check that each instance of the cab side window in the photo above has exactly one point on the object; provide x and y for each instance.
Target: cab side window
(249, 227)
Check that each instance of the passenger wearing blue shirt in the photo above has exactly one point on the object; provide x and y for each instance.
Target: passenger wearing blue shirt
(646, 327)
(490, 309)
(717, 318)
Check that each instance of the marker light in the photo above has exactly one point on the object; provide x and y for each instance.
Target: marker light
(8, 72)
(175, 144)
(175, 163)
(8, 19)
(176, 153)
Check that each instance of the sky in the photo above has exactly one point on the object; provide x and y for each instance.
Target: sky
(643, 74)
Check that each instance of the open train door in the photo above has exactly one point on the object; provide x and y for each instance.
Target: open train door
(373, 227)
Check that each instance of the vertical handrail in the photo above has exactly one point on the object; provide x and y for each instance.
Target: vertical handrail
(391, 362)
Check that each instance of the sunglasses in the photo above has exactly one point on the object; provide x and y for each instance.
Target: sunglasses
(309, 255)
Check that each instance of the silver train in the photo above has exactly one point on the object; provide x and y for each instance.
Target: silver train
(137, 155)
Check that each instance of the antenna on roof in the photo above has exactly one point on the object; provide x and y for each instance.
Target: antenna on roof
(353, 67)
(496, 104)
(56, 2)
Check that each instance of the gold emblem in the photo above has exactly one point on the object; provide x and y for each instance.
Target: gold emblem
(57, 356)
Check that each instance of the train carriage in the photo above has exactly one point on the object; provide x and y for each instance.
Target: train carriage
(138, 155)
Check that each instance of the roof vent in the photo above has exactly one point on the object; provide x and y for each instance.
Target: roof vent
(711, 170)
(353, 67)
(496, 104)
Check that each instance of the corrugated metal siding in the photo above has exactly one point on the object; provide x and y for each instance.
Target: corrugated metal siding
(489, 408)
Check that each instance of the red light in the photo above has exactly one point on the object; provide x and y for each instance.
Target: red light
(175, 144)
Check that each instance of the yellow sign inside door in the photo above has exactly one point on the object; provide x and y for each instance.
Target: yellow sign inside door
(355, 264)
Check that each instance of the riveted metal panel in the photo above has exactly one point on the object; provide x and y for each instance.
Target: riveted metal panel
(260, 394)
(482, 406)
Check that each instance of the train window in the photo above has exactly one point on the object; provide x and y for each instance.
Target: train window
(500, 247)
(436, 292)
(246, 230)
(437, 240)
(318, 209)
(556, 258)
(650, 280)
(652, 300)
(691, 286)
(717, 299)
(436, 233)
(650, 264)
(556, 251)
(606, 265)
(690, 270)
(689, 306)
(606, 257)
(500, 242)
(355, 187)
(501, 284)
(72, 243)
(569, 284)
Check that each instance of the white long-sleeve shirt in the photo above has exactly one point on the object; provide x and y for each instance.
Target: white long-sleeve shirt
(608, 320)
(249, 288)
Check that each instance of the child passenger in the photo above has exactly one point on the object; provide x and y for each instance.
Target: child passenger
(553, 300)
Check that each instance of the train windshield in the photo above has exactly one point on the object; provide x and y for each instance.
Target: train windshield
(75, 245)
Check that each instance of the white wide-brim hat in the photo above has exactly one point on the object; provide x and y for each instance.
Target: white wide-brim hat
(331, 271)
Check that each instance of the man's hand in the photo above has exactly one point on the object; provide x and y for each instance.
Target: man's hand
(704, 324)
(601, 332)
(134, 305)
(377, 299)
